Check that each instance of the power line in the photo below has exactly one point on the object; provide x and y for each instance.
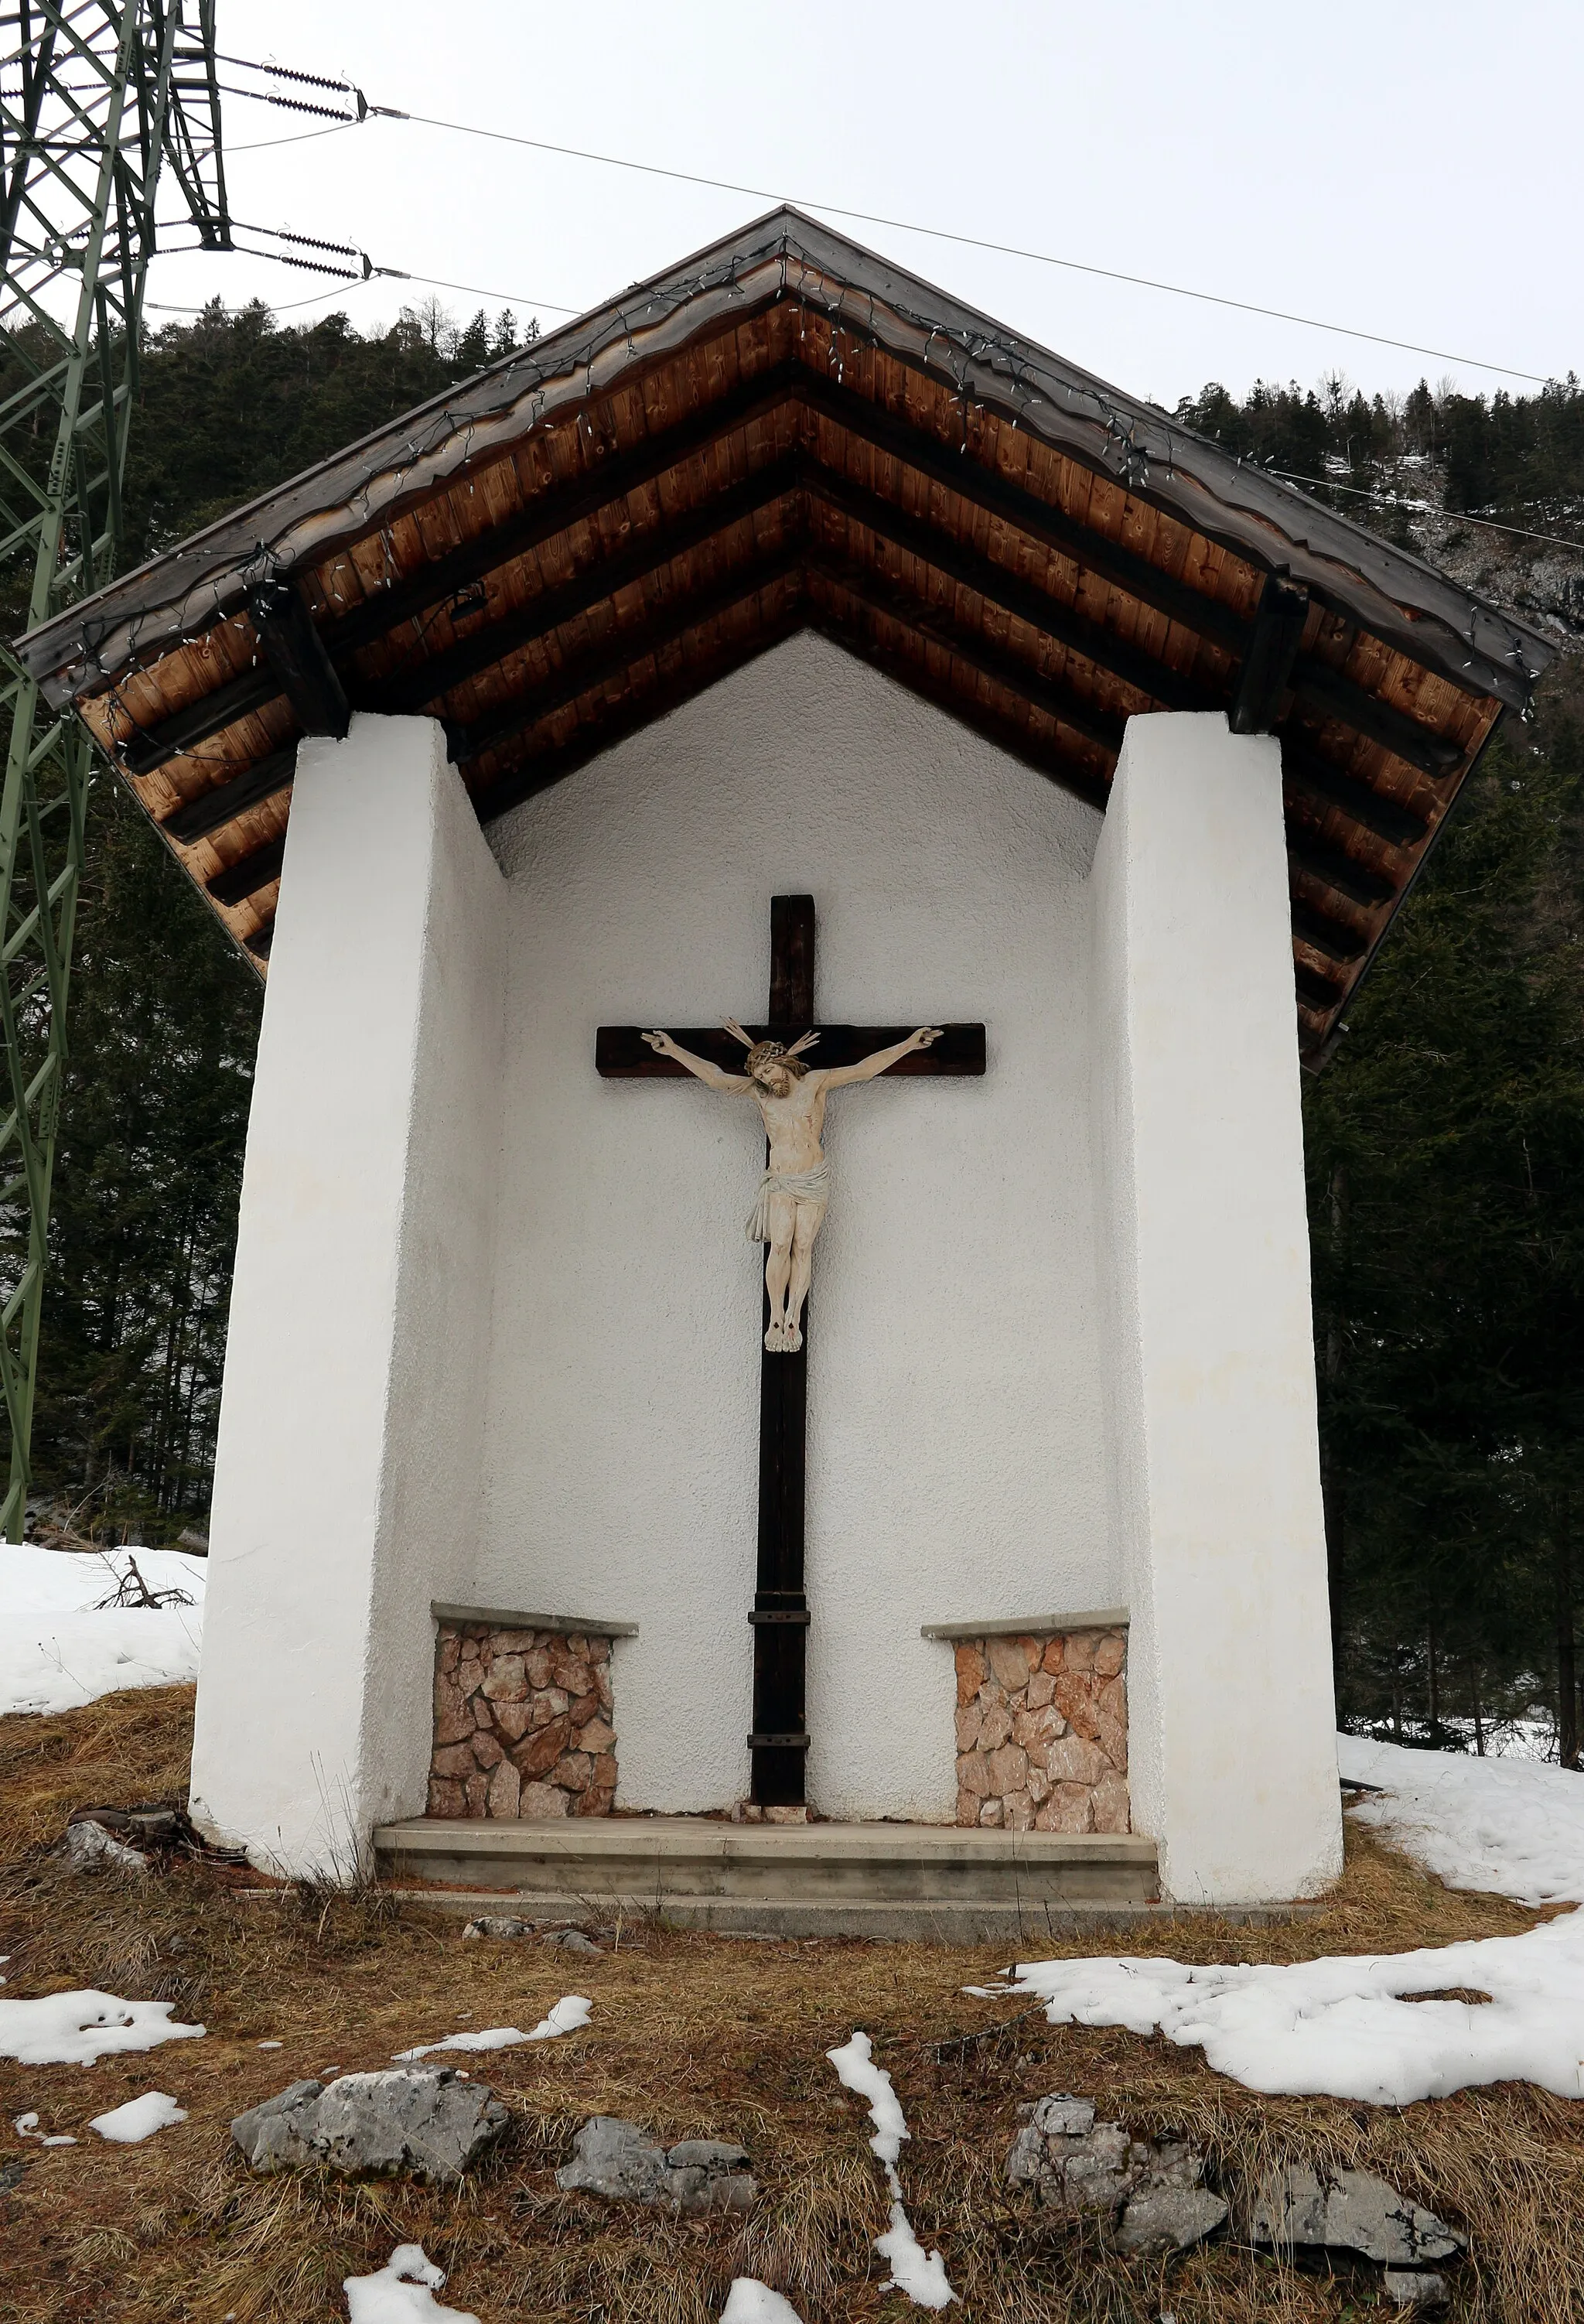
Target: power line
(837, 209)
(971, 241)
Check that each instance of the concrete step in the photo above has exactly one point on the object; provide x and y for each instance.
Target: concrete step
(687, 1869)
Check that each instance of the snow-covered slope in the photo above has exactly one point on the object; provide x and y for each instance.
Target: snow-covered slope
(58, 1649)
(1515, 1827)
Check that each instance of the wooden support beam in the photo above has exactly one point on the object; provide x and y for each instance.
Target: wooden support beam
(1307, 772)
(939, 627)
(582, 672)
(1317, 992)
(1359, 883)
(959, 472)
(198, 817)
(1327, 935)
(175, 736)
(637, 707)
(640, 559)
(1000, 587)
(1273, 649)
(249, 874)
(1328, 694)
(295, 652)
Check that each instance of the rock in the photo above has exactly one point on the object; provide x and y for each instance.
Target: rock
(498, 1924)
(1008, 1662)
(543, 1747)
(1083, 2167)
(1348, 2210)
(995, 1727)
(455, 1760)
(574, 1940)
(973, 1776)
(1079, 1650)
(512, 1720)
(990, 1811)
(1074, 1699)
(1109, 1655)
(621, 2161)
(970, 1665)
(1041, 1687)
(1017, 1812)
(447, 1799)
(89, 1848)
(574, 1773)
(1052, 1659)
(598, 1738)
(1112, 1811)
(410, 2121)
(1415, 2287)
(539, 1802)
(487, 1751)
(1070, 1808)
(969, 1722)
(505, 1791)
(1072, 1760)
(452, 1720)
(1008, 1770)
(1169, 2218)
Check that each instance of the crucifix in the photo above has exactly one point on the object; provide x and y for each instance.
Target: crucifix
(787, 1215)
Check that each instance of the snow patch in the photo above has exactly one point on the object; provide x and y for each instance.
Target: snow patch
(401, 2292)
(59, 1649)
(921, 2274)
(139, 2118)
(749, 2301)
(1348, 2027)
(573, 2010)
(75, 2029)
(1511, 1825)
(26, 2125)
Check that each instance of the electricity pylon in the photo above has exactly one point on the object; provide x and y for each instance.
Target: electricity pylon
(98, 100)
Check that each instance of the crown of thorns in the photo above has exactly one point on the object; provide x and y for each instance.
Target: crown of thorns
(766, 1052)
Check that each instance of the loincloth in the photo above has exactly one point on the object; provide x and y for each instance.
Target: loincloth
(802, 1186)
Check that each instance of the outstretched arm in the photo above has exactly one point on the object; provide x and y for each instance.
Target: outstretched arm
(709, 1075)
(871, 1068)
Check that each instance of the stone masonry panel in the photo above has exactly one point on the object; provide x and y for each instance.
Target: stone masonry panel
(1042, 1732)
(523, 1724)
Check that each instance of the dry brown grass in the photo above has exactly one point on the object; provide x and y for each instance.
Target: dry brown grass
(690, 2033)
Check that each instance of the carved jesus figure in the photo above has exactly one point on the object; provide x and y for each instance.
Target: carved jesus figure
(796, 1186)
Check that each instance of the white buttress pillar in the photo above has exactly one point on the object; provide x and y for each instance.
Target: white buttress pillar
(347, 1474)
(1204, 1254)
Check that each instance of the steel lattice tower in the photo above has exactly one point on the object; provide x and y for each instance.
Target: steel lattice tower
(98, 102)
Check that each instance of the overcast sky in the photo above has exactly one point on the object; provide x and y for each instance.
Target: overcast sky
(1408, 169)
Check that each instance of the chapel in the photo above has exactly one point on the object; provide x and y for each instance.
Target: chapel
(920, 1512)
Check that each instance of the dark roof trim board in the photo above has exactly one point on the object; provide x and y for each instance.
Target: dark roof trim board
(1402, 601)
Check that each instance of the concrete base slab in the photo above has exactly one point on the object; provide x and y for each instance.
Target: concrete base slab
(662, 1863)
(1018, 1929)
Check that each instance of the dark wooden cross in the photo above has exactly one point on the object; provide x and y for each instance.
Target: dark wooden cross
(779, 1617)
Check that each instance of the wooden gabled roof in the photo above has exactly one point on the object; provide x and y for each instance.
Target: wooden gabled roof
(788, 431)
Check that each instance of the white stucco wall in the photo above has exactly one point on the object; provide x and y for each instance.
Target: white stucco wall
(351, 1419)
(954, 1448)
(1208, 1349)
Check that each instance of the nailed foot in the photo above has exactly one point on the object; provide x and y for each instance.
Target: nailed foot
(792, 1341)
(775, 1339)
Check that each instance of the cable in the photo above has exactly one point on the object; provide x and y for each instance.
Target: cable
(1419, 508)
(394, 274)
(973, 242)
